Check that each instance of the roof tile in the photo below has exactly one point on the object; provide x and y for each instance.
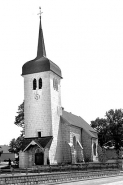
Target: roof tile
(79, 122)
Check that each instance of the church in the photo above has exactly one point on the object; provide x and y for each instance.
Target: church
(52, 135)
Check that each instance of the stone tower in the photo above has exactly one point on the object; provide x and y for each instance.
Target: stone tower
(42, 97)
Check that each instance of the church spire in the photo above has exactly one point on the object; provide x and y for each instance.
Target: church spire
(41, 63)
(41, 46)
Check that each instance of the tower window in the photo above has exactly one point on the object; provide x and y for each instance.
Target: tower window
(34, 84)
(55, 84)
(40, 83)
(39, 134)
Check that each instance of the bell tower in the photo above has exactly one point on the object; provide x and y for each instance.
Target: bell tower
(42, 109)
(42, 93)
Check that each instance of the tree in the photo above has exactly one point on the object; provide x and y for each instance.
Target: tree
(16, 144)
(100, 125)
(19, 119)
(115, 125)
(110, 129)
(12, 146)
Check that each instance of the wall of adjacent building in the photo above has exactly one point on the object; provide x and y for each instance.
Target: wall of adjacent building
(112, 154)
(7, 156)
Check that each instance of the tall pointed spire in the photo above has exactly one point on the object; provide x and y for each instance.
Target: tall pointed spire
(41, 63)
(41, 46)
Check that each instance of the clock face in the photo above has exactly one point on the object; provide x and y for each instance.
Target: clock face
(36, 96)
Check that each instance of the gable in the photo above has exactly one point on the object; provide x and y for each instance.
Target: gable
(33, 143)
(41, 142)
(79, 122)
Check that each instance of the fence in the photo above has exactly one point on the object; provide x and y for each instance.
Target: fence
(58, 173)
(65, 168)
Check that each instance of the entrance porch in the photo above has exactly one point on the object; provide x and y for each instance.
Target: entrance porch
(35, 153)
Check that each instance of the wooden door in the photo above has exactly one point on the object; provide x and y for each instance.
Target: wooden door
(39, 158)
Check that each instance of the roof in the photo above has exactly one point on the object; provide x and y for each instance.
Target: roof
(41, 63)
(4, 148)
(79, 122)
(42, 142)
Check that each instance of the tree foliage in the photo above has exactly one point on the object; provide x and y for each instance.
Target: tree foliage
(19, 119)
(115, 125)
(15, 145)
(110, 129)
(100, 125)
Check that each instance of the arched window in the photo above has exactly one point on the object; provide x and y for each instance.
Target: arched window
(55, 84)
(34, 84)
(94, 149)
(40, 83)
(74, 142)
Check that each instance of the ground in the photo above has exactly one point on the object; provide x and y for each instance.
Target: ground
(117, 180)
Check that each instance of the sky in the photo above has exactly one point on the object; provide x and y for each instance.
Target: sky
(83, 37)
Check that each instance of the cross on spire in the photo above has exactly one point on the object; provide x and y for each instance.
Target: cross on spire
(41, 46)
(40, 12)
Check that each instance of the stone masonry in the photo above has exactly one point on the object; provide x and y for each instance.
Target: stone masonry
(37, 113)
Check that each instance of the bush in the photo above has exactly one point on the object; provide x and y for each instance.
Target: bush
(87, 159)
(101, 154)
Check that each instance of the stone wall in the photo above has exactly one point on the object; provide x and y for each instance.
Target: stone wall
(112, 154)
(66, 150)
(42, 114)
(55, 152)
(23, 159)
(52, 178)
(87, 146)
(75, 131)
(71, 154)
(79, 157)
(37, 112)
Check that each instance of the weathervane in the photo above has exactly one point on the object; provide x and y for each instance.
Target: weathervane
(40, 12)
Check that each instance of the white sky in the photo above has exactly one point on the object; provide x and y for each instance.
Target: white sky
(83, 37)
